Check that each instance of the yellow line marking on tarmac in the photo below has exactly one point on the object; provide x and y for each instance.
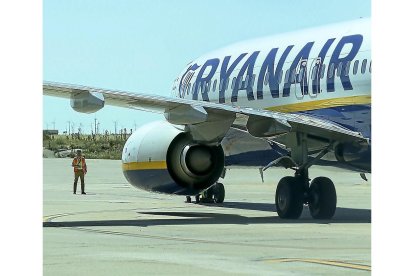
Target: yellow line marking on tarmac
(322, 262)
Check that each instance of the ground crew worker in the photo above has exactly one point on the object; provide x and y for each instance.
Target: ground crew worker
(79, 167)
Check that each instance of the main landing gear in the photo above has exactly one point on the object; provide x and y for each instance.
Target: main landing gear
(293, 192)
(215, 194)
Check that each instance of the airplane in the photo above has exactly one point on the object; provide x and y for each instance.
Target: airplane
(292, 100)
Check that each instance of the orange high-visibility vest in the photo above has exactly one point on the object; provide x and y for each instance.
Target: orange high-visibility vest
(79, 164)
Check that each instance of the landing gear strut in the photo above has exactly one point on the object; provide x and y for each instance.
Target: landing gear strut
(293, 192)
(214, 194)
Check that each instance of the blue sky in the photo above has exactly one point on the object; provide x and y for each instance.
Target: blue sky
(142, 46)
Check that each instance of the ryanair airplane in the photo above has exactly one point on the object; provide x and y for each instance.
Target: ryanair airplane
(291, 100)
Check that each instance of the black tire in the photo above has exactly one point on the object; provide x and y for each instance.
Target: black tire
(188, 199)
(219, 193)
(322, 204)
(289, 198)
(197, 198)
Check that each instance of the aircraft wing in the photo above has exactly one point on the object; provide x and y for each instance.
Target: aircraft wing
(208, 120)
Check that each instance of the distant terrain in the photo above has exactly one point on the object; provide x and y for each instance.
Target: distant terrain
(92, 146)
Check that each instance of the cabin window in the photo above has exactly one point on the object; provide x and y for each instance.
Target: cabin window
(301, 72)
(188, 88)
(202, 87)
(322, 74)
(233, 83)
(314, 70)
(331, 70)
(279, 79)
(214, 85)
(346, 70)
(293, 76)
(363, 66)
(355, 70)
(339, 69)
(287, 76)
(266, 79)
(370, 66)
(252, 80)
(208, 86)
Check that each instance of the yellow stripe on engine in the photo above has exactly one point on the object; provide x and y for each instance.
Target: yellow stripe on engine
(153, 165)
(319, 104)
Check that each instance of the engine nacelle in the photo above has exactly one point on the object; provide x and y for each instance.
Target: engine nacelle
(87, 102)
(356, 155)
(160, 157)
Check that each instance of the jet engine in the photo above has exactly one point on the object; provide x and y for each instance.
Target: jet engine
(161, 157)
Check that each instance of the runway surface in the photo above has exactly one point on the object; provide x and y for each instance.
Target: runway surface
(116, 229)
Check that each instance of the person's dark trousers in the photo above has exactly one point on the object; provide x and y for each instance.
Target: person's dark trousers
(75, 183)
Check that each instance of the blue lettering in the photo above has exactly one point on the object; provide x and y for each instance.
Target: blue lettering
(356, 41)
(202, 81)
(240, 84)
(302, 55)
(186, 78)
(268, 66)
(316, 82)
(225, 73)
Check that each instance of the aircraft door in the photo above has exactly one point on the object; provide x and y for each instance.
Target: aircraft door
(314, 79)
(301, 79)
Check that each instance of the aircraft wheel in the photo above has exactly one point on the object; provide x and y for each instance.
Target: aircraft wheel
(289, 198)
(322, 204)
(197, 198)
(188, 199)
(218, 193)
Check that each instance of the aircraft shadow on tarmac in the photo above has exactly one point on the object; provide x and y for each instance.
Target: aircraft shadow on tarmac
(342, 215)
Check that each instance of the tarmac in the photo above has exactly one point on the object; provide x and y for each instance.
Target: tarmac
(116, 229)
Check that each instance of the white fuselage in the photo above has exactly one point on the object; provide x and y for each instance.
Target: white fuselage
(312, 69)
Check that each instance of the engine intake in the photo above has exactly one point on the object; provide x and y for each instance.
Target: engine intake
(194, 166)
(162, 158)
